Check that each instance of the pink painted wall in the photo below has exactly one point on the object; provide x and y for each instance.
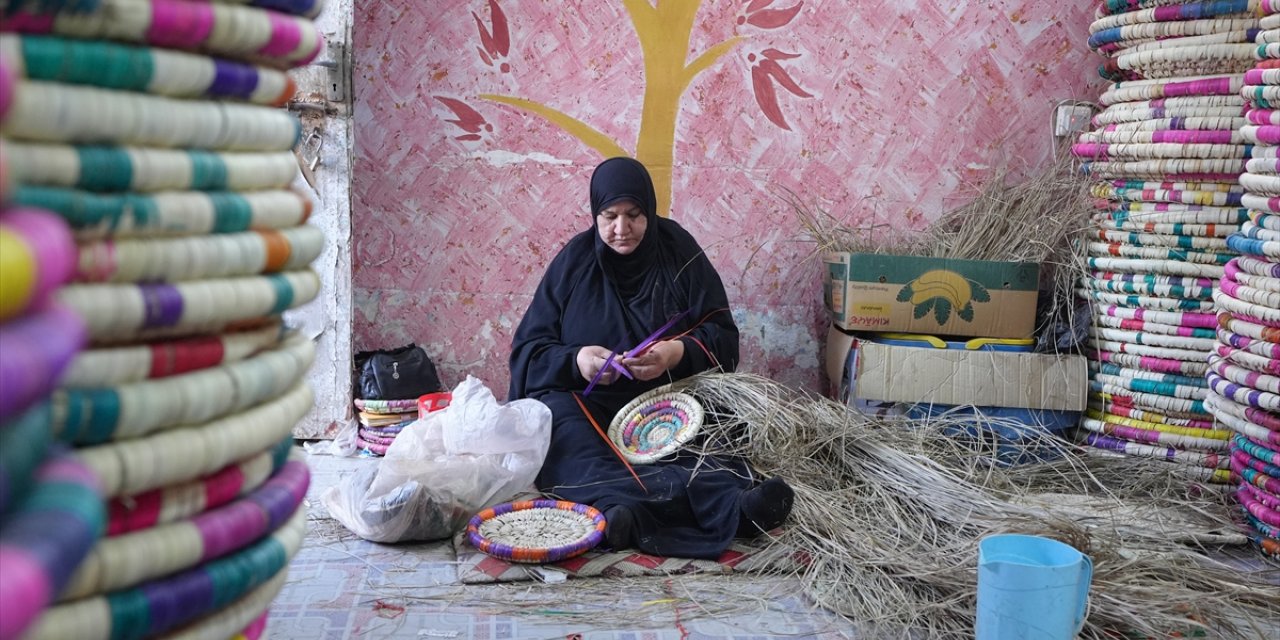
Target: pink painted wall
(457, 206)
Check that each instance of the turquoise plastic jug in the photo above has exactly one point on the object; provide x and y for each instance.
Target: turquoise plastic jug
(1031, 588)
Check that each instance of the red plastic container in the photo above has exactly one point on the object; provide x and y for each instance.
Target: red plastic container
(433, 402)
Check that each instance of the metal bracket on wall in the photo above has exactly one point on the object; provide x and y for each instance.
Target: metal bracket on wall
(336, 63)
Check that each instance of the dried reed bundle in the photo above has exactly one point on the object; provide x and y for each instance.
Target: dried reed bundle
(1034, 220)
(888, 517)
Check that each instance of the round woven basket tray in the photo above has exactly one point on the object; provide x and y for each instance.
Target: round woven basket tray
(1152, 339)
(225, 255)
(152, 70)
(1158, 12)
(1250, 361)
(97, 415)
(1162, 217)
(176, 599)
(1253, 346)
(24, 442)
(112, 366)
(1169, 318)
(1146, 302)
(1215, 129)
(37, 255)
(95, 216)
(1213, 432)
(1144, 436)
(1112, 369)
(1120, 151)
(655, 424)
(56, 112)
(128, 560)
(129, 312)
(1165, 267)
(37, 348)
(108, 169)
(178, 455)
(1151, 401)
(244, 33)
(1212, 169)
(1155, 33)
(1139, 90)
(1149, 326)
(248, 615)
(1242, 420)
(1109, 406)
(1139, 239)
(45, 538)
(1212, 107)
(1208, 460)
(536, 531)
(1147, 288)
(183, 500)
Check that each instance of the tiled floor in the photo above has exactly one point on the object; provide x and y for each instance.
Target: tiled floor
(342, 587)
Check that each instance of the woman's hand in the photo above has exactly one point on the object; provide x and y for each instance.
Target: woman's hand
(660, 358)
(591, 359)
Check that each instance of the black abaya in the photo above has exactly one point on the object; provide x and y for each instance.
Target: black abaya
(591, 295)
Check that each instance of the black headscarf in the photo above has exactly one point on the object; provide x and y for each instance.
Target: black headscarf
(592, 295)
(616, 180)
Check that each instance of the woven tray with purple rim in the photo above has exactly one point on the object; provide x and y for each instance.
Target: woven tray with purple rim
(536, 531)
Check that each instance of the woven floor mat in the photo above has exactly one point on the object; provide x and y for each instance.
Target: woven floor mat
(475, 567)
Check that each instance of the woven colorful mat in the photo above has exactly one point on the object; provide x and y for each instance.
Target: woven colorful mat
(475, 567)
(170, 213)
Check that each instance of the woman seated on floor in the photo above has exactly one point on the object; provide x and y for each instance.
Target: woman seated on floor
(607, 289)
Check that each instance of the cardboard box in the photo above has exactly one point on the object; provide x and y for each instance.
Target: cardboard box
(980, 378)
(934, 296)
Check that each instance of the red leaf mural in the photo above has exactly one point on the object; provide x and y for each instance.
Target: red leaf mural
(764, 75)
(467, 119)
(758, 15)
(495, 40)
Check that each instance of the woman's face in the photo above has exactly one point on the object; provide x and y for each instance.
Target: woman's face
(622, 225)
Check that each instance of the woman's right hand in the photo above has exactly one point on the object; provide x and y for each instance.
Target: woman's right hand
(591, 359)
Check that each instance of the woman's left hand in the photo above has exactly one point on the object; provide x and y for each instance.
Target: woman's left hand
(656, 361)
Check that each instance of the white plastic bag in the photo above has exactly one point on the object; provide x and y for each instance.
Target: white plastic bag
(443, 468)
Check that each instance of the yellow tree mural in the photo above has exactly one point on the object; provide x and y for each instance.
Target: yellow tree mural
(663, 30)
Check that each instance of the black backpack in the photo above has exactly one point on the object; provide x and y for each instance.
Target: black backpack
(395, 374)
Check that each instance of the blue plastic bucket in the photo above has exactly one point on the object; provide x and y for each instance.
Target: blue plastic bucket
(1031, 588)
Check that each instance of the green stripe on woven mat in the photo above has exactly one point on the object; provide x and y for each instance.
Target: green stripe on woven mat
(104, 169)
(69, 497)
(23, 445)
(86, 62)
(85, 209)
(208, 172)
(280, 453)
(88, 416)
(284, 293)
(231, 212)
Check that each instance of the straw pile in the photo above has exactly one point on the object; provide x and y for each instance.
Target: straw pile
(1031, 220)
(150, 131)
(888, 517)
(1244, 370)
(1166, 151)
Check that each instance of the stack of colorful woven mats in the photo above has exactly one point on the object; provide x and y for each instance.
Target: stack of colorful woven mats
(1244, 368)
(1167, 149)
(151, 130)
(381, 421)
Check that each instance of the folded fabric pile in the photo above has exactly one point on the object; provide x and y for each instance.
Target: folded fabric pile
(1244, 368)
(381, 421)
(1167, 150)
(151, 128)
